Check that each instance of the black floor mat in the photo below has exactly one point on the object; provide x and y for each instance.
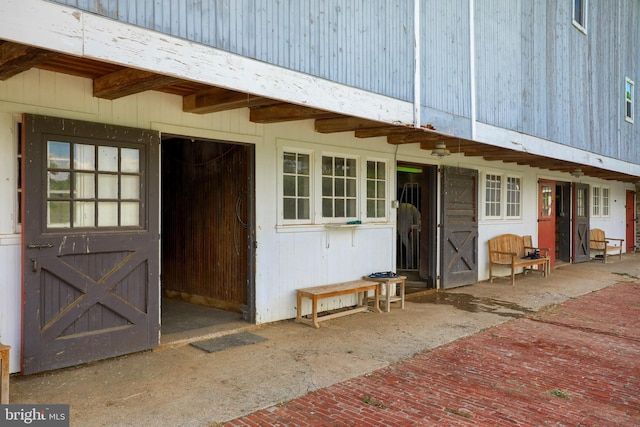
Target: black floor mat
(229, 341)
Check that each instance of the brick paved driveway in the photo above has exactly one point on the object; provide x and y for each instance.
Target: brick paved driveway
(575, 364)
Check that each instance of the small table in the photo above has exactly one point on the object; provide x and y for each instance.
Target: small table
(388, 281)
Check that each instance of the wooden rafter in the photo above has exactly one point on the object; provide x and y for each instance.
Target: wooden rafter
(217, 99)
(287, 112)
(346, 124)
(129, 81)
(16, 58)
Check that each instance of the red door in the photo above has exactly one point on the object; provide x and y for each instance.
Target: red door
(630, 238)
(547, 217)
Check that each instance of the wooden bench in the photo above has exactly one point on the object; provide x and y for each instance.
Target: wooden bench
(599, 242)
(4, 374)
(509, 250)
(359, 287)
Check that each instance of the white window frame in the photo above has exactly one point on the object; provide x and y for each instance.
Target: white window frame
(365, 193)
(600, 201)
(358, 189)
(502, 204)
(280, 169)
(281, 195)
(629, 100)
(580, 22)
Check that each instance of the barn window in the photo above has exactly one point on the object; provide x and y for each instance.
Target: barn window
(296, 186)
(580, 15)
(502, 196)
(339, 185)
(599, 201)
(628, 99)
(376, 189)
(92, 185)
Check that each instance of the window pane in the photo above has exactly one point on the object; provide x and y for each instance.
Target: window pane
(351, 208)
(289, 208)
(371, 208)
(339, 187)
(327, 165)
(351, 167)
(84, 186)
(382, 170)
(59, 185)
(381, 190)
(107, 186)
(130, 161)
(129, 213)
(327, 187)
(107, 159)
(289, 185)
(546, 200)
(303, 209)
(107, 214)
(371, 170)
(351, 188)
(339, 171)
(371, 189)
(380, 209)
(303, 186)
(339, 208)
(84, 157)
(303, 164)
(84, 214)
(327, 207)
(130, 187)
(58, 155)
(58, 214)
(289, 163)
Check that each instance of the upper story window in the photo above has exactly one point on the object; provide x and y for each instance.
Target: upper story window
(339, 184)
(628, 100)
(296, 186)
(580, 14)
(502, 196)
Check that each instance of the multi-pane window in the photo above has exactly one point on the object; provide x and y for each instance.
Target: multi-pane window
(628, 99)
(493, 192)
(600, 201)
(580, 14)
(339, 184)
(596, 201)
(581, 203)
(296, 186)
(502, 196)
(376, 189)
(92, 185)
(513, 196)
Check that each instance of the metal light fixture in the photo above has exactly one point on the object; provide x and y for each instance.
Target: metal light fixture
(440, 150)
(577, 173)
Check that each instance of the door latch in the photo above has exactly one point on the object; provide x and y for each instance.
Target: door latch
(39, 246)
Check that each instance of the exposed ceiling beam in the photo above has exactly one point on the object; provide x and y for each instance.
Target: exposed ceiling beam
(218, 99)
(286, 112)
(129, 81)
(415, 136)
(346, 124)
(17, 58)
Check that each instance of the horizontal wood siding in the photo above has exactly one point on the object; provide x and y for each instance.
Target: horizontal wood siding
(366, 44)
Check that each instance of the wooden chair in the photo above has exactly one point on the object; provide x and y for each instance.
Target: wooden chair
(598, 241)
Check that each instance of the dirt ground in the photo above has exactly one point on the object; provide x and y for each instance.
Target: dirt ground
(181, 385)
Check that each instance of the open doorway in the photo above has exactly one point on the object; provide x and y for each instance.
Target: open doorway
(207, 235)
(416, 252)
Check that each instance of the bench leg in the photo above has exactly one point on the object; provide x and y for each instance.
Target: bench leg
(402, 294)
(298, 306)
(4, 374)
(315, 311)
(513, 276)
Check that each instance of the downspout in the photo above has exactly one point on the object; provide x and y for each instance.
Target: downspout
(472, 68)
(416, 64)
